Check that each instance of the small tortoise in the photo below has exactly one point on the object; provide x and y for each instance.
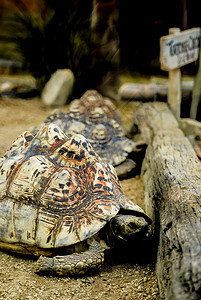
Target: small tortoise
(90, 101)
(100, 122)
(60, 201)
(89, 108)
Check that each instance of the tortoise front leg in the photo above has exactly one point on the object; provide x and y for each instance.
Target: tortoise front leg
(73, 264)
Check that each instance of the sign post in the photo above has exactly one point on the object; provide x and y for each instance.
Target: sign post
(176, 50)
(174, 91)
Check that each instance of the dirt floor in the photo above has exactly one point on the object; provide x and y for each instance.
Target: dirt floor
(126, 274)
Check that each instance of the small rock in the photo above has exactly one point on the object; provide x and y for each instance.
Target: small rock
(58, 89)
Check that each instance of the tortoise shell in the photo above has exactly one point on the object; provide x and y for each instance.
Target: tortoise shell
(88, 109)
(92, 100)
(96, 119)
(55, 191)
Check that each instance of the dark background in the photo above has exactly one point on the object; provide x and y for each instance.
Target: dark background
(142, 23)
(140, 26)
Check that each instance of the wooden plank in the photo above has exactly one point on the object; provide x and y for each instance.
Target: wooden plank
(179, 50)
(171, 174)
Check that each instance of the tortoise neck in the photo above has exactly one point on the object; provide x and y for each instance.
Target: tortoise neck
(107, 234)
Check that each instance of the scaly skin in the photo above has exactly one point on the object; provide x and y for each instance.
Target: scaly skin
(74, 264)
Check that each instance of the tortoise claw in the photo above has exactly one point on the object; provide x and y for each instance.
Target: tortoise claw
(74, 264)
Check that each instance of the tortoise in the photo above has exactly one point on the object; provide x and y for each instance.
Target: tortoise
(82, 110)
(91, 100)
(61, 202)
(99, 121)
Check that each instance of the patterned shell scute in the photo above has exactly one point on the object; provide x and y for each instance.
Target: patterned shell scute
(56, 191)
(12, 157)
(90, 108)
(99, 121)
(90, 101)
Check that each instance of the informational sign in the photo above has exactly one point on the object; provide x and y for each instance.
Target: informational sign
(177, 50)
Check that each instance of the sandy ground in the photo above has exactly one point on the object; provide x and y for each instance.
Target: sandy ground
(126, 274)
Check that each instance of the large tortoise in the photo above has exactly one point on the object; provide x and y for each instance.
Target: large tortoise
(57, 197)
(100, 122)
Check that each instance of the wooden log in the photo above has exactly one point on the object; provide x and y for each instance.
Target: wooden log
(171, 174)
(192, 130)
(190, 126)
(152, 91)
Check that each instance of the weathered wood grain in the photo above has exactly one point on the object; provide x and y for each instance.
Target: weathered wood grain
(171, 173)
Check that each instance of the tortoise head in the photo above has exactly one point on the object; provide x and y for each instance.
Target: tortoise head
(125, 228)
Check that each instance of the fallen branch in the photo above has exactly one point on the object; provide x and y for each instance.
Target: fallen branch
(171, 173)
(147, 92)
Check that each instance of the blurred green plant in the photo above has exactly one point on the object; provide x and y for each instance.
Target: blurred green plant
(57, 37)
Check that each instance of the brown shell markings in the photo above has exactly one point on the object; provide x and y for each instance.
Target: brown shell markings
(99, 121)
(56, 191)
